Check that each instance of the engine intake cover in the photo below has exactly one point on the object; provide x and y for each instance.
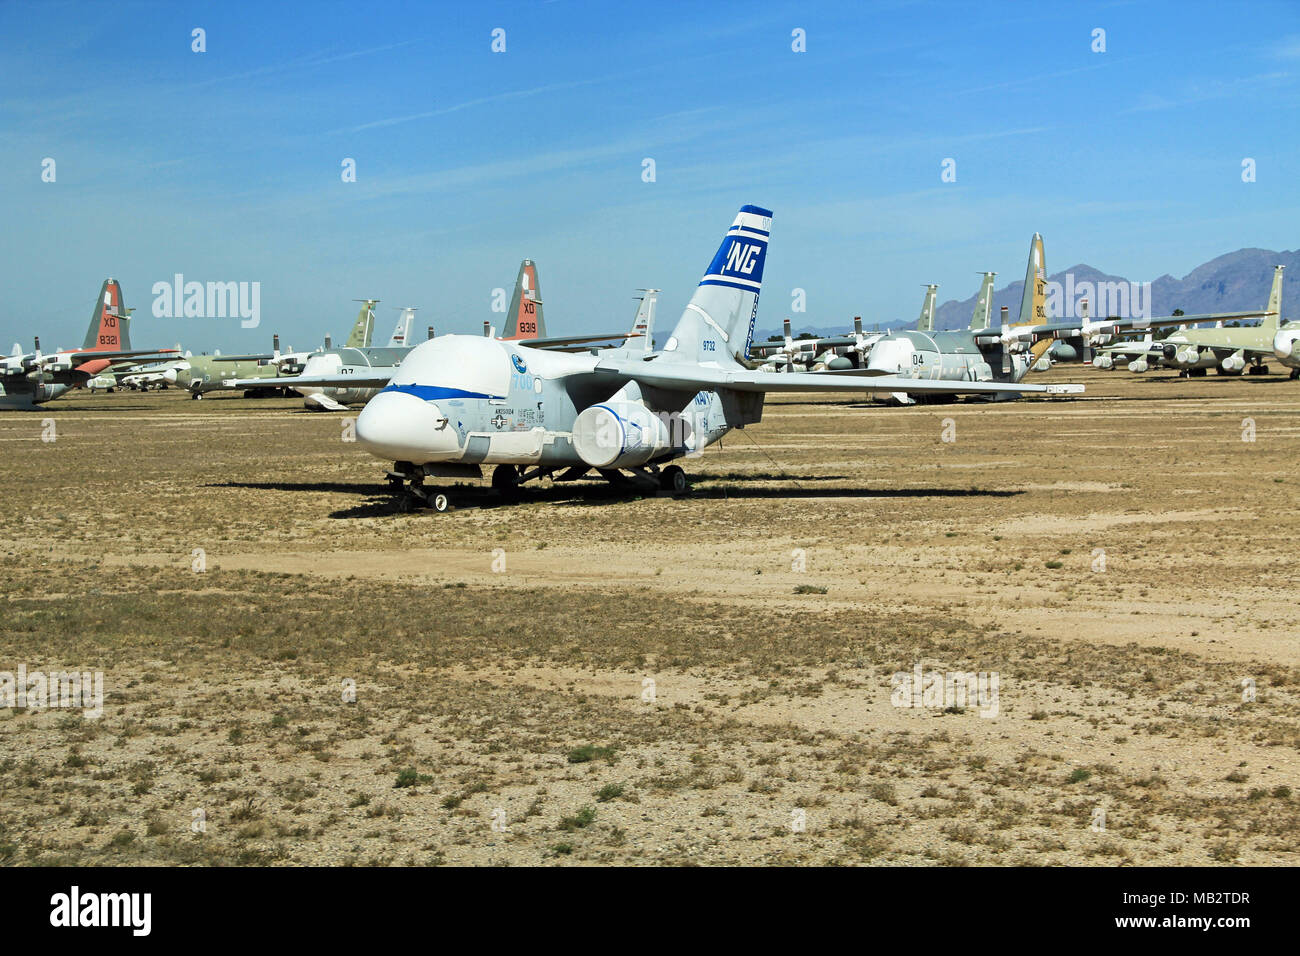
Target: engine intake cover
(625, 434)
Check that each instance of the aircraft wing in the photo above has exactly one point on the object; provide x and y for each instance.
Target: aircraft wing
(797, 346)
(1099, 327)
(144, 359)
(365, 376)
(558, 343)
(84, 355)
(682, 377)
(1188, 337)
(1135, 348)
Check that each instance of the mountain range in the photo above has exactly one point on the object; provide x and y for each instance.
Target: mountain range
(1232, 282)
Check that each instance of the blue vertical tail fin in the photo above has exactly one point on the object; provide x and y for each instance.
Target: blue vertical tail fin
(717, 325)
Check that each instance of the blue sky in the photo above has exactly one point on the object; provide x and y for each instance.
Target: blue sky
(225, 165)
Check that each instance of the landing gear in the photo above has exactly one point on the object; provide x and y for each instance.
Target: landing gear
(673, 480)
(407, 482)
(505, 479)
(1257, 370)
(196, 396)
(1295, 374)
(669, 481)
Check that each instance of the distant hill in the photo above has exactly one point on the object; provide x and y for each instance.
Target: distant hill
(1233, 282)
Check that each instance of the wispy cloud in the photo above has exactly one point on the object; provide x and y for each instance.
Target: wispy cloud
(1204, 91)
(467, 104)
(1286, 48)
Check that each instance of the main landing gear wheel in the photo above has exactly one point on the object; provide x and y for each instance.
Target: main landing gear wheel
(1295, 374)
(439, 503)
(196, 395)
(505, 479)
(673, 479)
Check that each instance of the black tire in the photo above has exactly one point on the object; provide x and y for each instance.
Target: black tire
(673, 479)
(505, 479)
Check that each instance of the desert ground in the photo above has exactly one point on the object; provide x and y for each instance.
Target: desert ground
(297, 673)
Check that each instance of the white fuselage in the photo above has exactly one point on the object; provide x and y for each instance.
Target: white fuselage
(475, 400)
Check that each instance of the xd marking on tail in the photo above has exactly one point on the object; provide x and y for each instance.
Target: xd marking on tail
(109, 330)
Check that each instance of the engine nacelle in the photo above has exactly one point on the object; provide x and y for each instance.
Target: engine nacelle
(626, 434)
(46, 391)
(1066, 351)
(1139, 366)
(1103, 362)
(1187, 356)
(1233, 363)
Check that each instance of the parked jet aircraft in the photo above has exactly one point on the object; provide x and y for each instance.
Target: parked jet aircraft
(1139, 354)
(1230, 350)
(459, 402)
(1007, 354)
(208, 373)
(29, 380)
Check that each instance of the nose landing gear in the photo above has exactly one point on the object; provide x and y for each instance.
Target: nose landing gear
(408, 482)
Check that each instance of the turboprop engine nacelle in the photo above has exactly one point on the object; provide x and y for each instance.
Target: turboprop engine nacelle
(46, 391)
(626, 434)
(1286, 346)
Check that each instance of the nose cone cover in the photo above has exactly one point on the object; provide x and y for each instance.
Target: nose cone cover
(399, 426)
